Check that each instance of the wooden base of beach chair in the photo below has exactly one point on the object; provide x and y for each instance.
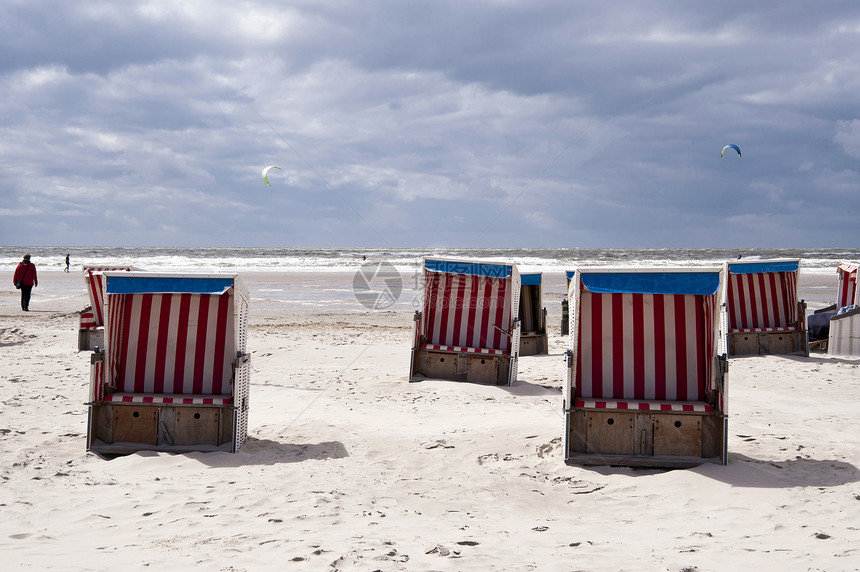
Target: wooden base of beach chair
(90, 339)
(766, 343)
(644, 438)
(455, 366)
(118, 428)
(533, 344)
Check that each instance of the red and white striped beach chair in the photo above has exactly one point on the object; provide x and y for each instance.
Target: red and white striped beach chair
(468, 328)
(91, 328)
(846, 284)
(533, 340)
(764, 314)
(174, 373)
(646, 371)
(844, 336)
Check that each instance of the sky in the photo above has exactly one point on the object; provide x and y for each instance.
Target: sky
(430, 123)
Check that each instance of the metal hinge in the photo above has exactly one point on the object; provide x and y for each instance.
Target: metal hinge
(241, 359)
(568, 358)
(97, 355)
(417, 316)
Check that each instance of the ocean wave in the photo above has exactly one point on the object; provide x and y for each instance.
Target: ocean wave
(404, 260)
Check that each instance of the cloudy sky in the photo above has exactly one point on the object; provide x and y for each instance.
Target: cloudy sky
(430, 123)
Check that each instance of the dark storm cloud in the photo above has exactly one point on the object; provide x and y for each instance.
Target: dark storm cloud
(462, 123)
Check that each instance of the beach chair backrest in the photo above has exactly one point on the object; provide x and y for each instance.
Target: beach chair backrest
(94, 279)
(846, 284)
(470, 304)
(762, 294)
(645, 335)
(172, 334)
(531, 303)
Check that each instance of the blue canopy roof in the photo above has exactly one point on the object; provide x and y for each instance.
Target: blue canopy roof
(165, 285)
(570, 274)
(473, 268)
(697, 283)
(763, 267)
(530, 279)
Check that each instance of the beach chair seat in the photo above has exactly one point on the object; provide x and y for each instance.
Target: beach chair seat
(763, 312)
(644, 405)
(757, 330)
(465, 350)
(646, 371)
(174, 373)
(169, 399)
(468, 327)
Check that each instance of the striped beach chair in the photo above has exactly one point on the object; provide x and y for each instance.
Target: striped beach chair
(844, 336)
(846, 284)
(647, 375)
(174, 373)
(91, 323)
(764, 314)
(533, 339)
(468, 328)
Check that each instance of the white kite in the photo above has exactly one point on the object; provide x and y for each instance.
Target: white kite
(266, 173)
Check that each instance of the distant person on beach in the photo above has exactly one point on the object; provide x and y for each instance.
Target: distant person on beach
(25, 279)
(67, 263)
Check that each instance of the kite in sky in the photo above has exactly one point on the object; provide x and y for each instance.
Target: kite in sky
(269, 168)
(733, 146)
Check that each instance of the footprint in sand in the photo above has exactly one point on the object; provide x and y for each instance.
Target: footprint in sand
(546, 449)
(438, 443)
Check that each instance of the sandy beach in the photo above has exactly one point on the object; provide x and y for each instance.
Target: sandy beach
(350, 467)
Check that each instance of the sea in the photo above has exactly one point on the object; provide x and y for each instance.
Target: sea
(359, 286)
(249, 259)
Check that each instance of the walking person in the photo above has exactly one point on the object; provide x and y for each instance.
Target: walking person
(25, 279)
(67, 263)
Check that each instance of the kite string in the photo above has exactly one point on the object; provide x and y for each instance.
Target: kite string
(327, 184)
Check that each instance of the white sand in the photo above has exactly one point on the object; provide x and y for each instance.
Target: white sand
(349, 467)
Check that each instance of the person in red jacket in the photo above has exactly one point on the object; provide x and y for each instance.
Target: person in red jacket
(25, 278)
